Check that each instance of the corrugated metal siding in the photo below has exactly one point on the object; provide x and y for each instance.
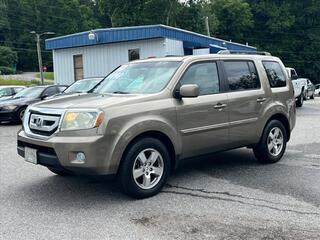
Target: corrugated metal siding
(112, 35)
(174, 47)
(99, 60)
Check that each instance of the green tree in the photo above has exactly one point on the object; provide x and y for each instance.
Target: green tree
(8, 57)
(234, 18)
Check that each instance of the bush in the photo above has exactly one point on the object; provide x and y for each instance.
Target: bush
(6, 70)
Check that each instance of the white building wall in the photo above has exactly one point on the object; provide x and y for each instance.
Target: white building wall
(99, 60)
(174, 47)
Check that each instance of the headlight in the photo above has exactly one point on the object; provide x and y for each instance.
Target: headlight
(81, 119)
(10, 107)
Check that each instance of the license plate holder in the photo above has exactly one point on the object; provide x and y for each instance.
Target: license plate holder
(30, 155)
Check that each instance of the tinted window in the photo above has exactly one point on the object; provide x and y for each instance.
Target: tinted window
(50, 91)
(205, 75)
(275, 74)
(242, 75)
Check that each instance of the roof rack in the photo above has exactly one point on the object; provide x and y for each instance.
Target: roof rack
(244, 52)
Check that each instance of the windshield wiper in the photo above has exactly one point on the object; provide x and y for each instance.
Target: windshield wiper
(120, 92)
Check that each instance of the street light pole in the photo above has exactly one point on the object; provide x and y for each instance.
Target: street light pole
(38, 39)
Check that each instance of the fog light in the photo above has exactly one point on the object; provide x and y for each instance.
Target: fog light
(80, 158)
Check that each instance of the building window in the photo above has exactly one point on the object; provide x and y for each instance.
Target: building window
(133, 54)
(78, 67)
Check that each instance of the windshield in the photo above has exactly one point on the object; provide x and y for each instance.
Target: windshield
(32, 92)
(82, 86)
(142, 77)
(4, 92)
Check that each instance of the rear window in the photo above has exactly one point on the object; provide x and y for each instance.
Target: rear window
(242, 75)
(275, 74)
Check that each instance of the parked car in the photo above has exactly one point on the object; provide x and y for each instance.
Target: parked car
(317, 90)
(9, 91)
(81, 86)
(13, 109)
(148, 115)
(310, 90)
(300, 86)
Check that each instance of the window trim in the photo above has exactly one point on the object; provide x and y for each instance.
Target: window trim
(220, 76)
(284, 73)
(226, 75)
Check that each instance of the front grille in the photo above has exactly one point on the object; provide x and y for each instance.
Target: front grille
(43, 124)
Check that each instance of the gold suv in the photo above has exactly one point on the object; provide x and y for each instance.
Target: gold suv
(147, 116)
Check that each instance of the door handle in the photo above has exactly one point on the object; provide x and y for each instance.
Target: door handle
(219, 106)
(261, 99)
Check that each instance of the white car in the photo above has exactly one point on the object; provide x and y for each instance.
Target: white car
(300, 86)
(7, 92)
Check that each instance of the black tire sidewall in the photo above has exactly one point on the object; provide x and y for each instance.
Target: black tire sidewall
(263, 153)
(126, 175)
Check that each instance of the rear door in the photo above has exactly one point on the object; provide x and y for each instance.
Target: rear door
(203, 121)
(246, 101)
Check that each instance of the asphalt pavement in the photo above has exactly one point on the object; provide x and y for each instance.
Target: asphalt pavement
(222, 196)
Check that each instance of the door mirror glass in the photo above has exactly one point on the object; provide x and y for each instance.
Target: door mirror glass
(189, 91)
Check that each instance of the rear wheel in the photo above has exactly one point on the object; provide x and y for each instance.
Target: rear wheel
(272, 144)
(300, 100)
(145, 168)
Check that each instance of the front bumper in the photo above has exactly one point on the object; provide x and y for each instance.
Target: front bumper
(59, 151)
(7, 116)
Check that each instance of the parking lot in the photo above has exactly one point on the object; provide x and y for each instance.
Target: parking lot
(222, 196)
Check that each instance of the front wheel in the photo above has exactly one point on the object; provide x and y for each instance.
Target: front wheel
(312, 96)
(145, 168)
(300, 100)
(20, 114)
(272, 144)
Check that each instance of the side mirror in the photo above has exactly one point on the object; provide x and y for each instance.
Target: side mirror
(43, 97)
(189, 91)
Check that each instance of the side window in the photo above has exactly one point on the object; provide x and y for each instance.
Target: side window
(241, 75)
(5, 92)
(205, 75)
(275, 74)
(50, 91)
(16, 90)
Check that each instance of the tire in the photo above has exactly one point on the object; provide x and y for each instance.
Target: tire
(305, 95)
(59, 172)
(312, 96)
(270, 150)
(300, 100)
(20, 114)
(137, 158)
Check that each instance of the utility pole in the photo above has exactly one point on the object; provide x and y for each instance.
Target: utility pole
(207, 26)
(38, 39)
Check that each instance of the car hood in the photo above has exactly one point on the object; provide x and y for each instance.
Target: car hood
(18, 101)
(92, 100)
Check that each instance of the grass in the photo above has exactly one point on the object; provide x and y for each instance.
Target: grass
(47, 75)
(21, 82)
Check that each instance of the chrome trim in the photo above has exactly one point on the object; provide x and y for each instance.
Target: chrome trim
(204, 128)
(52, 111)
(244, 121)
(37, 122)
(217, 126)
